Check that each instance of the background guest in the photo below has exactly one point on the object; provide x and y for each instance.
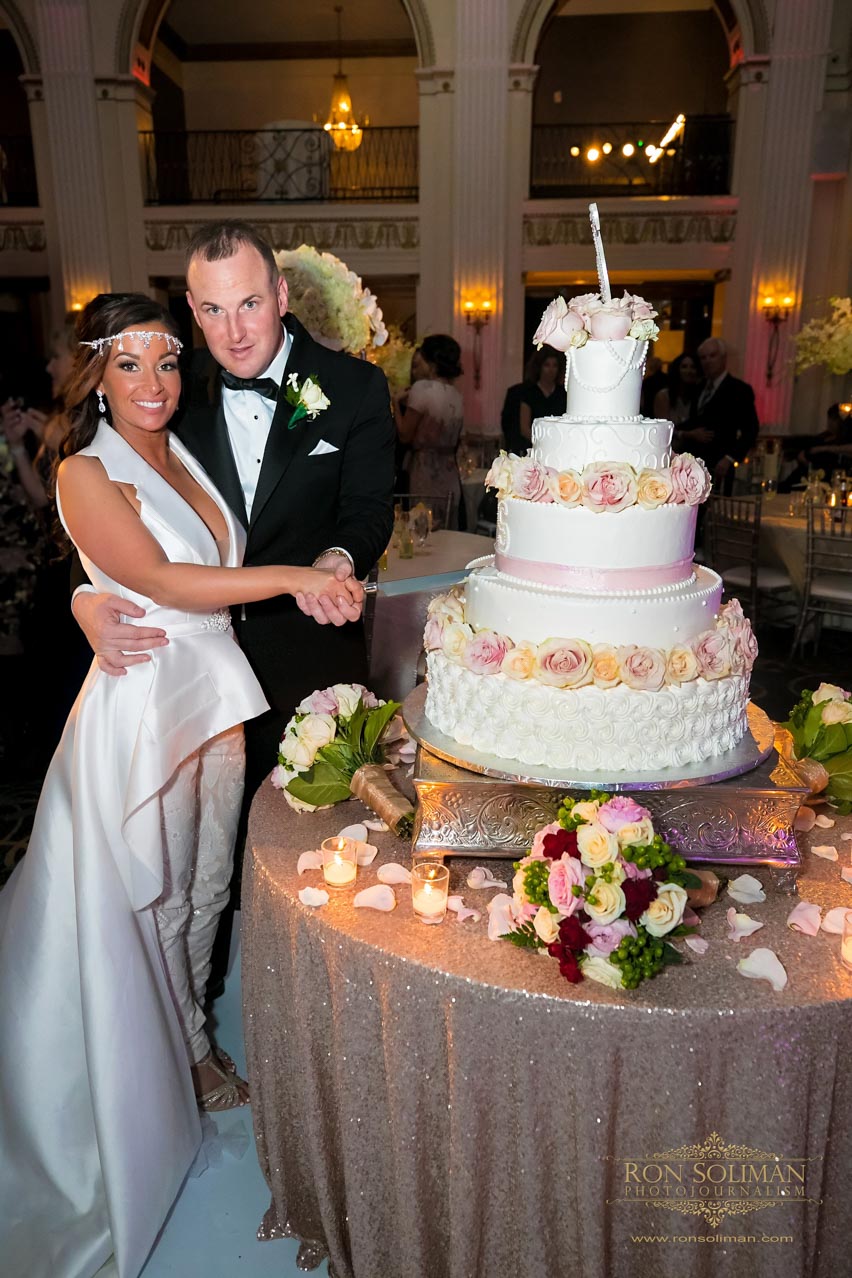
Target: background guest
(830, 450)
(399, 401)
(676, 402)
(431, 425)
(725, 425)
(543, 393)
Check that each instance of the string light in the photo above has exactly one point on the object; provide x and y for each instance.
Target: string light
(593, 154)
(628, 149)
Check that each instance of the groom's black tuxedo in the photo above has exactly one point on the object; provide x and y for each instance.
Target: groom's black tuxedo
(306, 502)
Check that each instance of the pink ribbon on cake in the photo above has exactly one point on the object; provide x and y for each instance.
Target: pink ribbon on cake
(594, 578)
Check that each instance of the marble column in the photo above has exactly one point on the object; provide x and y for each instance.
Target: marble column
(435, 293)
(123, 108)
(519, 147)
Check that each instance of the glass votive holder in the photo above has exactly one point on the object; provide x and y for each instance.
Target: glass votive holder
(846, 941)
(339, 861)
(430, 885)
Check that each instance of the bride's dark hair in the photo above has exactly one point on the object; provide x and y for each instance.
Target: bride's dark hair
(106, 314)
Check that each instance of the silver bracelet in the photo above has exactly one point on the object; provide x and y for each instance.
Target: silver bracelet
(336, 550)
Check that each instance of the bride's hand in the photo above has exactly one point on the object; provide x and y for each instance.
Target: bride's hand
(329, 597)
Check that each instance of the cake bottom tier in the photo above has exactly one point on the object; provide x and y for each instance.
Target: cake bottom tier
(599, 729)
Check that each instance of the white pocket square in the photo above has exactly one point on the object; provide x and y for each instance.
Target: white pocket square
(321, 448)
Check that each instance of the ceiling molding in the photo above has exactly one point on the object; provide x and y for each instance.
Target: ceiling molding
(287, 51)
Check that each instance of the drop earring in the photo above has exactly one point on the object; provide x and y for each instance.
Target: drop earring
(101, 404)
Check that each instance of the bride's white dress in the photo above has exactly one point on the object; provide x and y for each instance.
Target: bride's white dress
(98, 1121)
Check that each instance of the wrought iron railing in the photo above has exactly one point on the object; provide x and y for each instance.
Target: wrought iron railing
(696, 162)
(18, 187)
(278, 166)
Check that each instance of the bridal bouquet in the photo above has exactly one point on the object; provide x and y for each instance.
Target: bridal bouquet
(820, 725)
(340, 743)
(331, 301)
(600, 891)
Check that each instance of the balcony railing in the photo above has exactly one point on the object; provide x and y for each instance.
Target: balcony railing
(17, 173)
(696, 162)
(278, 166)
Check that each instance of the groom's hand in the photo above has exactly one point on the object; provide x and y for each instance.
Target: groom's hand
(117, 644)
(325, 609)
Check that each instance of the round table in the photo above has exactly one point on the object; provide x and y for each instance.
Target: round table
(431, 1104)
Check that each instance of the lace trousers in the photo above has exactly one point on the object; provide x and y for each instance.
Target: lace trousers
(199, 810)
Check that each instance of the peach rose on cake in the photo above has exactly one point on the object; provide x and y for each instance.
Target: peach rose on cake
(485, 652)
(681, 665)
(654, 488)
(608, 486)
(606, 671)
(563, 663)
(690, 480)
(501, 474)
(457, 635)
(531, 480)
(713, 653)
(567, 487)
(448, 607)
(519, 662)
(642, 668)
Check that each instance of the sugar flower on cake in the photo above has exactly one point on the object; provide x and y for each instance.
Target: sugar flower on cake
(520, 662)
(501, 474)
(713, 653)
(457, 635)
(608, 486)
(654, 488)
(606, 671)
(691, 481)
(641, 667)
(531, 481)
(485, 652)
(567, 487)
(681, 665)
(449, 606)
(564, 663)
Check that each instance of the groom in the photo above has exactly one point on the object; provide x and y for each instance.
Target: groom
(309, 491)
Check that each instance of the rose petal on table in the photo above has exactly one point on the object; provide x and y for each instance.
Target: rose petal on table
(764, 965)
(461, 911)
(481, 877)
(501, 916)
(690, 918)
(740, 925)
(805, 819)
(833, 921)
(358, 832)
(393, 872)
(377, 897)
(846, 873)
(824, 822)
(698, 944)
(827, 851)
(313, 896)
(365, 853)
(309, 861)
(408, 751)
(747, 890)
(805, 918)
(847, 834)
(378, 827)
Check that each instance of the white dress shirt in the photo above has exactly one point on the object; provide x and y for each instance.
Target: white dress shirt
(248, 417)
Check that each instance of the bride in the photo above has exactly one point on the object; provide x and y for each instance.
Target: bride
(107, 924)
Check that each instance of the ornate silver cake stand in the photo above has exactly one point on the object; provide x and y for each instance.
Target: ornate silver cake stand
(737, 809)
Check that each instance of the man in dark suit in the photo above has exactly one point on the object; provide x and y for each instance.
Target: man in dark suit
(314, 491)
(726, 424)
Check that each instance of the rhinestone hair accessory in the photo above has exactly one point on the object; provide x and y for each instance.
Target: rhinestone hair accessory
(145, 336)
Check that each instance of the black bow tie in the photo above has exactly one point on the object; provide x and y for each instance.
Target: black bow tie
(266, 386)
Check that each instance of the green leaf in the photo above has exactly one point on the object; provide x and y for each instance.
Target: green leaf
(298, 415)
(832, 740)
(354, 735)
(683, 930)
(671, 956)
(839, 768)
(847, 730)
(322, 784)
(377, 721)
(341, 756)
(688, 880)
(524, 936)
(813, 725)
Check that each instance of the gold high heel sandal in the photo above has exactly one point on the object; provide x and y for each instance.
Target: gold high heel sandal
(227, 1094)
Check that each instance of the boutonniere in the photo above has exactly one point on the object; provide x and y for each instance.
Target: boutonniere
(308, 400)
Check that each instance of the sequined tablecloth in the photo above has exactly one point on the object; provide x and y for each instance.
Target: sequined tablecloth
(431, 1104)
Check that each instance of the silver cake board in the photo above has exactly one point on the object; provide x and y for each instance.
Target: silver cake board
(735, 810)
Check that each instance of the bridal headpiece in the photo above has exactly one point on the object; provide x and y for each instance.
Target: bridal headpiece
(145, 336)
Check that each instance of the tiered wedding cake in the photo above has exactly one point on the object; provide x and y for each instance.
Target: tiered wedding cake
(591, 640)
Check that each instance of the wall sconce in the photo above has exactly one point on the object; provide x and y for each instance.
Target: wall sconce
(776, 312)
(845, 411)
(477, 315)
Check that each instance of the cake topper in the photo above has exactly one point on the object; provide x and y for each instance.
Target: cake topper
(600, 259)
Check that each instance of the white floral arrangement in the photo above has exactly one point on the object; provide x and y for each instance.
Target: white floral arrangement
(331, 301)
(394, 359)
(827, 341)
(600, 892)
(602, 487)
(571, 324)
(730, 648)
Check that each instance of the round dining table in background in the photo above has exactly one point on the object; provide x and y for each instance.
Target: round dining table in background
(432, 1104)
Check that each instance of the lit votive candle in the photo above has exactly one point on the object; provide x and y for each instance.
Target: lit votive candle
(430, 883)
(846, 941)
(339, 861)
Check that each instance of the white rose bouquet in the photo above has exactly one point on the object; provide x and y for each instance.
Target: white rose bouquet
(331, 301)
(820, 728)
(600, 891)
(338, 744)
(827, 341)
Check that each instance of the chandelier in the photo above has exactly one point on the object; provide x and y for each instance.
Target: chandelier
(346, 132)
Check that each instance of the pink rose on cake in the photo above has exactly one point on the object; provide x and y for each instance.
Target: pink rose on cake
(433, 635)
(531, 480)
(567, 487)
(606, 671)
(485, 652)
(642, 668)
(681, 665)
(519, 662)
(713, 652)
(690, 480)
(449, 607)
(564, 663)
(608, 486)
(501, 474)
(559, 326)
(654, 488)
(609, 325)
(743, 640)
(566, 874)
(454, 641)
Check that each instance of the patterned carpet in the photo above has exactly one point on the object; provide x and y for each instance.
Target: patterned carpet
(776, 685)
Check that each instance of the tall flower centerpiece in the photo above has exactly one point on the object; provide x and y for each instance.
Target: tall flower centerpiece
(331, 301)
(827, 341)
